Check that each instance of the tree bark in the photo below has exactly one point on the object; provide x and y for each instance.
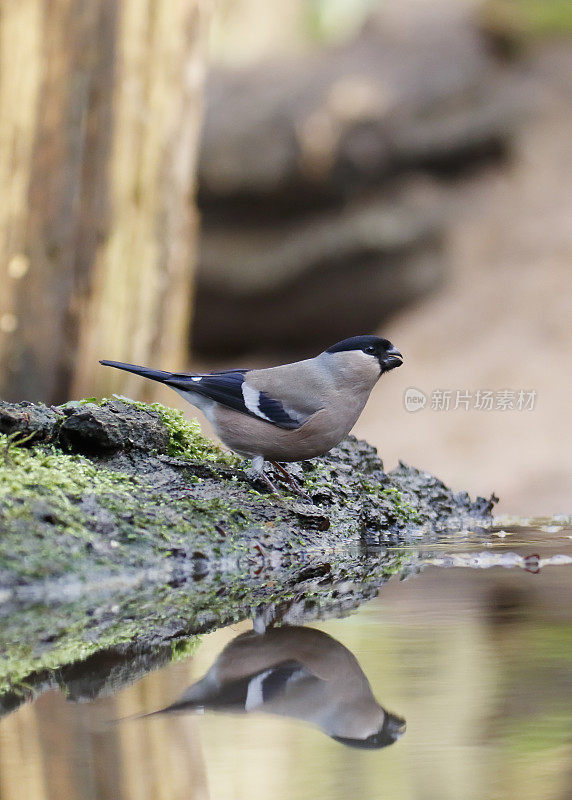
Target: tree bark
(100, 108)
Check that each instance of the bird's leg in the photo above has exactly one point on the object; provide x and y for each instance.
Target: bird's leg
(291, 480)
(264, 618)
(258, 467)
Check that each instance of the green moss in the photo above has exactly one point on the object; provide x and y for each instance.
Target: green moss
(51, 506)
(41, 484)
(187, 439)
(402, 509)
(45, 471)
(317, 476)
(392, 505)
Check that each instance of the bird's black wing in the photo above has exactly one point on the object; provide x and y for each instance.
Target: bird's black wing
(249, 692)
(231, 389)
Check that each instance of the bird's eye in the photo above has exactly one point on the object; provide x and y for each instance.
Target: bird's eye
(370, 349)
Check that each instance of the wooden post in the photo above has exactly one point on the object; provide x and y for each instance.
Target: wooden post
(100, 108)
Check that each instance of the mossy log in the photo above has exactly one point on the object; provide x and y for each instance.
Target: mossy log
(123, 532)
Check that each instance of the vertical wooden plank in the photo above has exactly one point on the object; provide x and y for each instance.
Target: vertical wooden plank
(20, 79)
(139, 307)
(74, 45)
(100, 108)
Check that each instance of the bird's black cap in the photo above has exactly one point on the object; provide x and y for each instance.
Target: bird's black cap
(392, 729)
(359, 343)
(388, 356)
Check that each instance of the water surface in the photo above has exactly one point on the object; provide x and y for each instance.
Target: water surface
(474, 652)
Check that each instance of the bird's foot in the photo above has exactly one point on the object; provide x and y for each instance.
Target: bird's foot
(272, 486)
(258, 467)
(291, 480)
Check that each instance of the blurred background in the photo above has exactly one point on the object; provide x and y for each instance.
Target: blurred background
(199, 185)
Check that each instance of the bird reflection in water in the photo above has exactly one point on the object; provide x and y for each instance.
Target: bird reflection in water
(295, 672)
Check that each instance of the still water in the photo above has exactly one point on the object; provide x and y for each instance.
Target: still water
(469, 665)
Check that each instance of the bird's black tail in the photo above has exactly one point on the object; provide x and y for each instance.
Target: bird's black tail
(145, 372)
(175, 708)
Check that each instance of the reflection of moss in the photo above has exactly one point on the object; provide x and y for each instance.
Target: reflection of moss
(35, 639)
(39, 638)
(183, 648)
(67, 644)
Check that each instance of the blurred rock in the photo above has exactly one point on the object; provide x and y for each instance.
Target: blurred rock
(323, 276)
(306, 226)
(318, 128)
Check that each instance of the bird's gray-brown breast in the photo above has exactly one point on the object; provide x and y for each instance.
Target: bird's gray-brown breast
(323, 430)
(325, 396)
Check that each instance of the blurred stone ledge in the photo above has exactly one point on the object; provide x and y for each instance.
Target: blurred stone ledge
(308, 229)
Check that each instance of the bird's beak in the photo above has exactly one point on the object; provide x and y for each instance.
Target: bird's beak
(397, 727)
(391, 359)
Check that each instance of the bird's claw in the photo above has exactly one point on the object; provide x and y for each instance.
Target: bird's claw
(292, 482)
(261, 476)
